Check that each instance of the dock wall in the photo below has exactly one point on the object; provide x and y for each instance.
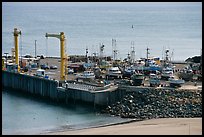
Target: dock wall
(30, 84)
(49, 89)
(94, 98)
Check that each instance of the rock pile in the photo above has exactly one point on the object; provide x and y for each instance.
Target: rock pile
(158, 103)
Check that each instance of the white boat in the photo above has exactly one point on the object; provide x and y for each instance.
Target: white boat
(128, 72)
(167, 72)
(174, 82)
(114, 72)
(86, 75)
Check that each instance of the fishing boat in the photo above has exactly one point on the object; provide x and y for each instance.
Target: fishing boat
(114, 72)
(186, 74)
(86, 82)
(174, 82)
(167, 72)
(128, 72)
(137, 79)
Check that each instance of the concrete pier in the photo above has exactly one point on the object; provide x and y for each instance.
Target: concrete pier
(50, 89)
(31, 84)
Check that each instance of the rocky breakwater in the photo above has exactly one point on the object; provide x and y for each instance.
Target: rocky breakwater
(158, 103)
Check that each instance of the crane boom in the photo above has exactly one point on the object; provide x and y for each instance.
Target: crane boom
(60, 36)
(52, 35)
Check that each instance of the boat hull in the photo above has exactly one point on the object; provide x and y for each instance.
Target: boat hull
(186, 76)
(137, 82)
(138, 79)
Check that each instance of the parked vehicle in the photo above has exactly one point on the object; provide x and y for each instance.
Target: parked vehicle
(44, 66)
(70, 71)
(53, 67)
(40, 73)
(86, 75)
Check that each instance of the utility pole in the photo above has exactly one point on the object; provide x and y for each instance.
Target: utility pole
(114, 50)
(35, 48)
(6, 58)
(86, 55)
(132, 54)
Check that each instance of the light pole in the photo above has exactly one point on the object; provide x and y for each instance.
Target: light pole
(86, 55)
(6, 57)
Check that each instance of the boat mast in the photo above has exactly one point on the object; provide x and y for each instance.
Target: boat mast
(166, 61)
(86, 55)
(101, 51)
(115, 51)
(147, 56)
(132, 52)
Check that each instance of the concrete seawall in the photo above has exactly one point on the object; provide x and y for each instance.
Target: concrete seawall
(30, 84)
(49, 89)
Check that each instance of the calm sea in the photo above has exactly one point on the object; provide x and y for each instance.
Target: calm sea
(25, 114)
(176, 26)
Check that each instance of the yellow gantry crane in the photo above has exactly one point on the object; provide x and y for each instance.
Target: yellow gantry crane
(60, 36)
(16, 33)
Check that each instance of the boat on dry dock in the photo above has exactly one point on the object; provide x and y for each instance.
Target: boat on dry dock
(167, 72)
(137, 79)
(114, 72)
(87, 82)
(174, 82)
(154, 80)
(186, 74)
(128, 72)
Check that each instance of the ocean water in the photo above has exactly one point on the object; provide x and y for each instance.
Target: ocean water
(176, 26)
(24, 114)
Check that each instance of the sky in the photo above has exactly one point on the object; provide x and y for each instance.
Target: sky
(96, 3)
